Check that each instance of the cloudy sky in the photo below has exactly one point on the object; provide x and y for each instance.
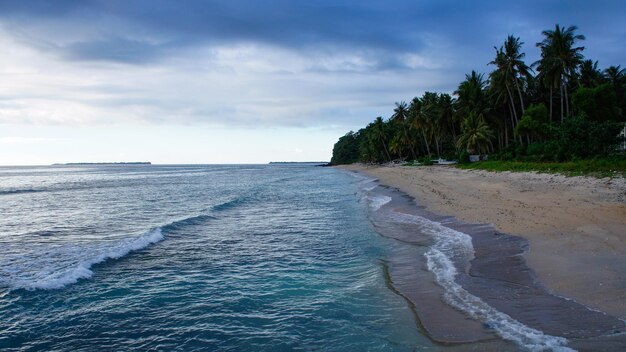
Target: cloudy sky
(246, 81)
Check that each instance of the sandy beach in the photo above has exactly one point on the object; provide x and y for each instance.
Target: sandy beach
(576, 226)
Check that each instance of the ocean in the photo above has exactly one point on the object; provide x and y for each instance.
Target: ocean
(195, 257)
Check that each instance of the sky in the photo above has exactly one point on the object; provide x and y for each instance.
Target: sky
(247, 81)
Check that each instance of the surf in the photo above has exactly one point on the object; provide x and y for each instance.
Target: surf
(446, 250)
(29, 278)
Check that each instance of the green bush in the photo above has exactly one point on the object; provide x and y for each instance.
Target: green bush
(425, 160)
(598, 104)
(577, 137)
(533, 121)
(463, 157)
(520, 150)
(535, 152)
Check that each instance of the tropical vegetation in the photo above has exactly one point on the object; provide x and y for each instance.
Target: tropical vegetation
(561, 108)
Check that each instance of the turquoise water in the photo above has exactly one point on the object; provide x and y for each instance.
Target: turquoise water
(268, 257)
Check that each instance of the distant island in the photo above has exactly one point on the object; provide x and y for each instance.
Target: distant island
(298, 162)
(110, 163)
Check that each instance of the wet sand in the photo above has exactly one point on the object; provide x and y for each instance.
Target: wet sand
(496, 301)
(575, 226)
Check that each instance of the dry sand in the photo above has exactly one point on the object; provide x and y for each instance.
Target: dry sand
(576, 226)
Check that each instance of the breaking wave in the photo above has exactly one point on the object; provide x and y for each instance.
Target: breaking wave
(450, 245)
(30, 278)
(375, 202)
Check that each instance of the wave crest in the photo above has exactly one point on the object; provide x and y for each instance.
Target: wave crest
(450, 244)
(82, 269)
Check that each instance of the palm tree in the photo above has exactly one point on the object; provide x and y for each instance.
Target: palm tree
(396, 145)
(590, 75)
(476, 133)
(510, 71)
(431, 113)
(559, 60)
(400, 116)
(379, 132)
(446, 113)
(500, 81)
(418, 120)
(515, 63)
(501, 100)
(615, 74)
(471, 95)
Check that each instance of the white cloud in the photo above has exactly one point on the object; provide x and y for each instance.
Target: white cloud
(248, 85)
(25, 140)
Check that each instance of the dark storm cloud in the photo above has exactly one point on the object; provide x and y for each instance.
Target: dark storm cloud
(140, 30)
(266, 63)
(143, 31)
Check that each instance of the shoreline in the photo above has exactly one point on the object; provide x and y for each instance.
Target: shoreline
(469, 284)
(575, 226)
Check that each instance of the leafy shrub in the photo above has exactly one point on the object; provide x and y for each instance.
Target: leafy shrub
(598, 104)
(464, 157)
(533, 121)
(425, 161)
(577, 137)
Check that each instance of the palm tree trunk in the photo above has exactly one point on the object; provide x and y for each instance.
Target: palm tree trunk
(566, 101)
(506, 135)
(512, 102)
(406, 135)
(453, 132)
(514, 122)
(386, 150)
(519, 92)
(426, 142)
(514, 111)
(561, 93)
(550, 103)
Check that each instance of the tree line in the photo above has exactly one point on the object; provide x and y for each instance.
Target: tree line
(560, 108)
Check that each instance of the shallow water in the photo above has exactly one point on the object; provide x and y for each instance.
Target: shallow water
(271, 257)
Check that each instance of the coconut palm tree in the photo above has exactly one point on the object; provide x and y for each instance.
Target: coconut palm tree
(516, 65)
(431, 113)
(471, 95)
(400, 116)
(396, 145)
(446, 113)
(380, 135)
(501, 100)
(419, 121)
(476, 134)
(590, 75)
(560, 57)
(615, 74)
(510, 72)
(500, 83)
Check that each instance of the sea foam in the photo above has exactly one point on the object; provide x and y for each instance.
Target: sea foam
(376, 202)
(82, 268)
(450, 244)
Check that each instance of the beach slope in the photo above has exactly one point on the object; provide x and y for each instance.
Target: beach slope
(576, 226)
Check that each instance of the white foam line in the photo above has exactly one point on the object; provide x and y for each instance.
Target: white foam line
(449, 242)
(505, 326)
(82, 270)
(376, 202)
